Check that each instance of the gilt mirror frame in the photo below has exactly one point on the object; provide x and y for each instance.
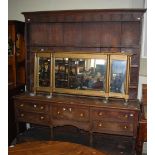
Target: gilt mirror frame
(105, 63)
(123, 76)
(46, 57)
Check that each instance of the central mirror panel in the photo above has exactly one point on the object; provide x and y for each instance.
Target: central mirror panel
(81, 73)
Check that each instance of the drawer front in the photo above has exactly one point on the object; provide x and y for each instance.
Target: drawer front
(113, 127)
(32, 117)
(32, 106)
(111, 115)
(70, 113)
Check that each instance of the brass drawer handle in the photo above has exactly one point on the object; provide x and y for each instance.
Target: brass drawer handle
(100, 113)
(125, 127)
(131, 115)
(22, 115)
(42, 117)
(100, 124)
(21, 105)
(42, 107)
(126, 116)
(64, 109)
(35, 106)
(70, 109)
(81, 115)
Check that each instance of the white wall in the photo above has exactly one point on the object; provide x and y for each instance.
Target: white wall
(15, 7)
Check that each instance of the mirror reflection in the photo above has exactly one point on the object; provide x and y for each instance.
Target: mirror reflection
(118, 72)
(83, 74)
(44, 72)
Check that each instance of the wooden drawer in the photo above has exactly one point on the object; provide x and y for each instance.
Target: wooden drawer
(67, 112)
(32, 106)
(112, 115)
(32, 117)
(113, 127)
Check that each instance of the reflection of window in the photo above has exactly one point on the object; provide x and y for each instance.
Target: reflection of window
(95, 62)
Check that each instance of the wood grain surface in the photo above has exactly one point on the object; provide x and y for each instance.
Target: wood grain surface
(52, 148)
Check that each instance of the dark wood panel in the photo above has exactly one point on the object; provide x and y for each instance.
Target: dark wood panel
(76, 49)
(144, 94)
(68, 112)
(85, 15)
(130, 34)
(30, 72)
(135, 54)
(35, 118)
(133, 92)
(39, 33)
(72, 34)
(106, 34)
(108, 114)
(131, 16)
(113, 127)
(134, 75)
(12, 91)
(110, 49)
(91, 33)
(85, 30)
(55, 34)
(110, 34)
(53, 147)
(33, 106)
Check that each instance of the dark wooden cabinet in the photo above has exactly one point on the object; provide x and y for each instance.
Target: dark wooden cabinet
(16, 52)
(80, 31)
(32, 111)
(89, 114)
(12, 91)
(86, 30)
(142, 129)
(16, 70)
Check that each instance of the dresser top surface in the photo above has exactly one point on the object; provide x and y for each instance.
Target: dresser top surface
(82, 100)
